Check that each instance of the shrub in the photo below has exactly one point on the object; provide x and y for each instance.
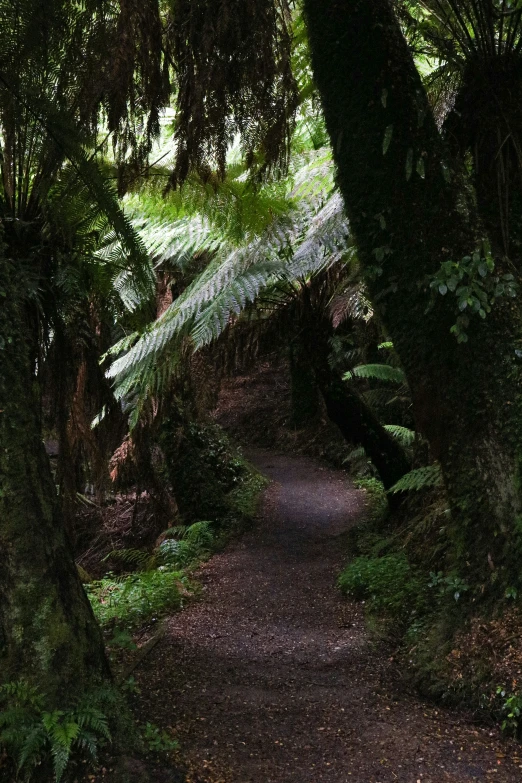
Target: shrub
(389, 582)
(137, 597)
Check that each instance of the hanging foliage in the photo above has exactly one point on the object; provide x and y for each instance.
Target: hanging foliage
(232, 63)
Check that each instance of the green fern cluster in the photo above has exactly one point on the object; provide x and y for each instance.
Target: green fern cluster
(389, 583)
(33, 736)
(136, 598)
(182, 546)
(159, 582)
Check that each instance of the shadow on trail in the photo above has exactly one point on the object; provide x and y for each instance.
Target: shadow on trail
(271, 678)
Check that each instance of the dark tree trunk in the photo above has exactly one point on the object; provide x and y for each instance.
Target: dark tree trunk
(48, 633)
(358, 424)
(304, 392)
(486, 124)
(346, 409)
(408, 215)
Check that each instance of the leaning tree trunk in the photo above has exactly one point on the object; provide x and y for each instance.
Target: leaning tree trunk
(347, 410)
(409, 214)
(48, 633)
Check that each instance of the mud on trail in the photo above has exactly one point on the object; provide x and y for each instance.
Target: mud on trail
(271, 677)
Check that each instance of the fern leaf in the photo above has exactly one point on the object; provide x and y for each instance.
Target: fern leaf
(356, 454)
(404, 435)
(33, 745)
(420, 478)
(379, 372)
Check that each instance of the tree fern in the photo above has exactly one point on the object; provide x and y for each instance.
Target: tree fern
(307, 239)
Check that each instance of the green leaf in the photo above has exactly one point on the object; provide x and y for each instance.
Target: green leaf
(380, 372)
(387, 139)
(409, 163)
(420, 478)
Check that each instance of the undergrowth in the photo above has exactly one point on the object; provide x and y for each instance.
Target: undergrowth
(36, 740)
(158, 581)
(388, 582)
(459, 652)
(136, 598)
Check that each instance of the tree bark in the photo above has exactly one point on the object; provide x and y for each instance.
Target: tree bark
(486, 125)
(48, 633)
(303, 387)
(346, 409)
(409, 212)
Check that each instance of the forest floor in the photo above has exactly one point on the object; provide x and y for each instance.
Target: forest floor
(272, 678)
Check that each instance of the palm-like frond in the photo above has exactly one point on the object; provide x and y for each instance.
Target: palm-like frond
(308, 237)
(380, 372)
(420, 478)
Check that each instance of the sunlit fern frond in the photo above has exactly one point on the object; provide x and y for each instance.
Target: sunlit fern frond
(418, 479)
(404, 435)
(379, 372)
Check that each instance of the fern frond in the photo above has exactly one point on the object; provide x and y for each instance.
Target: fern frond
(355, 455)
(404, 435)
(420, 478)
(133, 557)
(380, 372)
(34, 745)
(200, 534)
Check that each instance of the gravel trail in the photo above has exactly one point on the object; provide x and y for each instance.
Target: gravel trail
(272, 678)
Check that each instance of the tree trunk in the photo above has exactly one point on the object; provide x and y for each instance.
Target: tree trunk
(358, 424)
(486, 125)
(346, 409)
(48, 633)
(409, 213)
(304, 392)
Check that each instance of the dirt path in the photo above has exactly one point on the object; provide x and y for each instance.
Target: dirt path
(272, 678)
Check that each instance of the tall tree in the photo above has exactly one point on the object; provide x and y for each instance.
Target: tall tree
(56, 75)
(417, 234)
(67, 71)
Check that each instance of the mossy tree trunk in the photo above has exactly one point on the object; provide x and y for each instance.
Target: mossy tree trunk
(409, 213)
(485, 127)
(48, 633)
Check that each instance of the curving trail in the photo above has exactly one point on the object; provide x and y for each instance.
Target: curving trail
(271, 678)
